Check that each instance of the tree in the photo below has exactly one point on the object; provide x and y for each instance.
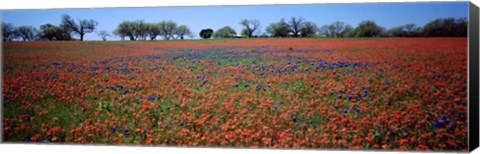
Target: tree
(104, 35)
(182, 31)
(152, 30)
(336, 29)
(51, 32)
(167, 29)
(250, 26)
(308, 29)
(295, 24)
(278, 29)
(368, 28)
(206, 33)
(348, 31)
(408, 30)
(81, 28)
(26, 33)
(8, 31)
(325, 31)
(141, 30)
(225, 32)
(444, 27)
(130, 29)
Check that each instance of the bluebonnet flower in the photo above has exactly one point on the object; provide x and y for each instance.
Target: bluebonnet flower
(182, 123)
(452, 111)
(281, 101)
(336, 107)
(113, 129)
(436, 124)
(294, 119)
(392, 132)
(275, 107)
(339, 96)
(27, 116)
(126, 131)
(246, 85)
(151, 98)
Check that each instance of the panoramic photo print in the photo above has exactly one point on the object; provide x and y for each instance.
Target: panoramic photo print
(365, 76)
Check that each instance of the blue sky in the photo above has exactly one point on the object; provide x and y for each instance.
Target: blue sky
(199, 17)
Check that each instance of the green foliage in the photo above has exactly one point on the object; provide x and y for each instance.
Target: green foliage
(80, 28)
(279, 29)
(8, 31)
(51, 33)
(26, 33)
(336, 29)
(182, 31)
(368, 28)
(444, 27)
(225, 32)
(206, 33)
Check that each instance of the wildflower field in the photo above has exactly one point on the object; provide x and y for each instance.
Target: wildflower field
(380, 93)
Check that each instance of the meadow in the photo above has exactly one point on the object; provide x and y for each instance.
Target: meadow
(378, 93)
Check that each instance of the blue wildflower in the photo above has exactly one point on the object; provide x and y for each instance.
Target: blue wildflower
(452, 111)
(182, 123)
(151, 98)
(126, 131)
(113, 129)
(294, 119)
(339, 96)
(336, 107)
(27, 116)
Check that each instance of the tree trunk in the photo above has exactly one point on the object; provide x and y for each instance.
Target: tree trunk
(81, 37)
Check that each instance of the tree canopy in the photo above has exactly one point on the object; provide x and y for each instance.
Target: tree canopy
(80, 28)
(225, 32)
(206, 33)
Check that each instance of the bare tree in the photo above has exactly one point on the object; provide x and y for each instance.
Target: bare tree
(81, 28)
(104, 35)
(250, 26)
(295, 24)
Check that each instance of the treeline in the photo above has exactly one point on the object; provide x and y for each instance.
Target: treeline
(293, 27)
